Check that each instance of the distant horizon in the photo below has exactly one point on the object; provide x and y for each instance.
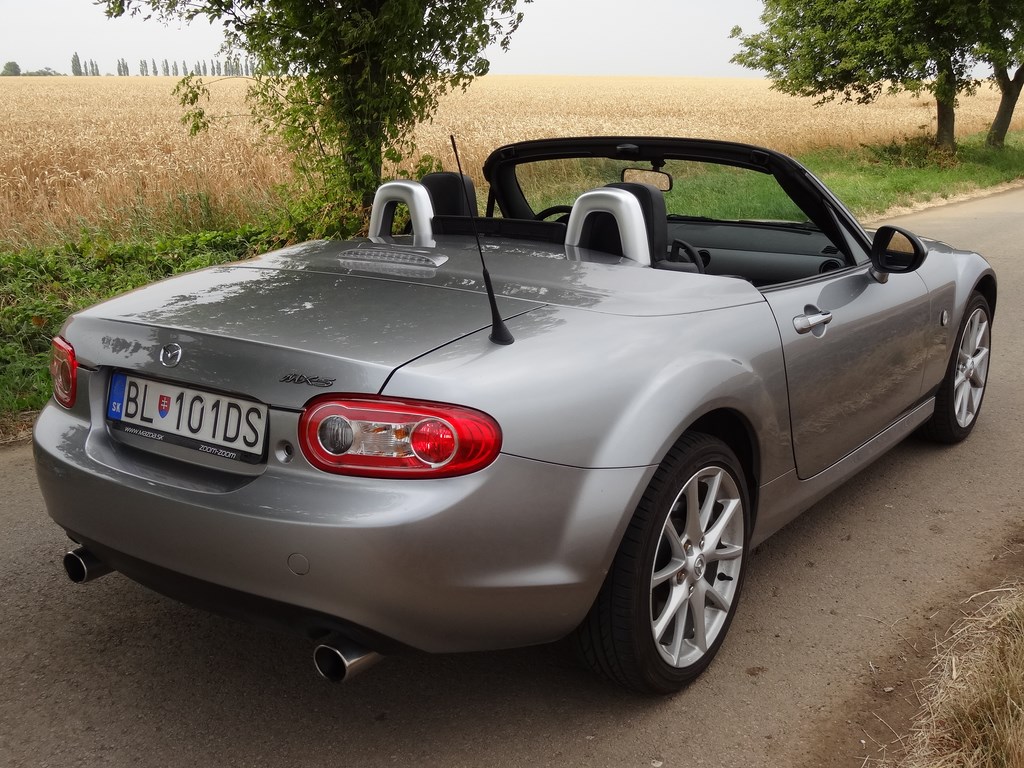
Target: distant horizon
(557, 38)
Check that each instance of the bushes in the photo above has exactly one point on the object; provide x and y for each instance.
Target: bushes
(40, 287)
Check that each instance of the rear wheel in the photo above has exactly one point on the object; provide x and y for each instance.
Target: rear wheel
(672, 590)
(958, 401)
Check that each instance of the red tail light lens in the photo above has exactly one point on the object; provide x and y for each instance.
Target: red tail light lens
(63, 372)
(384, 437)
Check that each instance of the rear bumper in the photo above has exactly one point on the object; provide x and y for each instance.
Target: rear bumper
(512, 555)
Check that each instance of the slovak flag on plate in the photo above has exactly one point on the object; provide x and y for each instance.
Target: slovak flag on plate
(164, 405)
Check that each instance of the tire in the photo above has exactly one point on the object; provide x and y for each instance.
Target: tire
(673, 587)
(958, 401)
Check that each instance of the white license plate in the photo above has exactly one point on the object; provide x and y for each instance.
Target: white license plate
(214, 424)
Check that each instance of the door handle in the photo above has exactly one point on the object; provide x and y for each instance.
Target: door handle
(808, 322)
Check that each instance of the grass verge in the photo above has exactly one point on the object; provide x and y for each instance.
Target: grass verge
(40, 287)
(973, 711)
(874, 179)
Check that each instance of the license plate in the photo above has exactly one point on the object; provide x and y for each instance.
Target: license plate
(214, 424)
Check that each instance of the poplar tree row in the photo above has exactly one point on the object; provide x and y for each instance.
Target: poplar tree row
(232, 67)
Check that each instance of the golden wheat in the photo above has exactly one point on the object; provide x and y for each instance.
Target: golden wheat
(111, 153)
(500, 109)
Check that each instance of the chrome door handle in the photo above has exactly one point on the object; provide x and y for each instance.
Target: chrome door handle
(807, 323)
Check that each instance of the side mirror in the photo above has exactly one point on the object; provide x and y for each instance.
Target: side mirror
(895, 250)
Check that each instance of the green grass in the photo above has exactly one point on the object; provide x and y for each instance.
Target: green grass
(39, 287)
(871, 180)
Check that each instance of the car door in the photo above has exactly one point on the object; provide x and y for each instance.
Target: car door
(855, 351)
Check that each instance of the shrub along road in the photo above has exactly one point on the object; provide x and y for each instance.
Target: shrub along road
(837, 621)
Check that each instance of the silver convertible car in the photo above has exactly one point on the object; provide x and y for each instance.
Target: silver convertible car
(573, 415)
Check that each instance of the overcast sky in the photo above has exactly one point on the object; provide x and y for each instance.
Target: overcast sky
(567, 37)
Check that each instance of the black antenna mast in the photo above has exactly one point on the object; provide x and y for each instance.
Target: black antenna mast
(500, 333)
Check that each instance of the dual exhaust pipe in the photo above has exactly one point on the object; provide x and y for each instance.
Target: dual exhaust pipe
(337, 659)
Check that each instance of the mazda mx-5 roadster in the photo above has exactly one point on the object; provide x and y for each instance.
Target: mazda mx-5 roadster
(569, 405)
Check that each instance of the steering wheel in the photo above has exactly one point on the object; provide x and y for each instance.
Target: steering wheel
(552, 210)
(683, 248)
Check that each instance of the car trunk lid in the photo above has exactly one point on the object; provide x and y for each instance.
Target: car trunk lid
(277, 335)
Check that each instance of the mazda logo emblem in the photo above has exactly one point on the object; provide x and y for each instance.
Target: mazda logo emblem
(170, 355)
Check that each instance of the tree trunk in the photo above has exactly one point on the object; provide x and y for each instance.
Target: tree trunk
(945, 133)
(1010, 89)
(945, 102)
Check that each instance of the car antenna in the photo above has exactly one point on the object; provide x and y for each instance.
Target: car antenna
(500, 333)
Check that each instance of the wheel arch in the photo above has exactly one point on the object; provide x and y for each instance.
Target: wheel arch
(734, 429)
(987, 288)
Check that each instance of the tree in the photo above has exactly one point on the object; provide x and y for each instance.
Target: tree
(143, 67)
(76, 65)
(11, 69)
(165, 69)
(95, 70)
(856, 49)
(352, 77)
(1003, 48)
(174, 69)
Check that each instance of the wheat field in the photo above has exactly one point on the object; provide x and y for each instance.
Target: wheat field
(110, 154)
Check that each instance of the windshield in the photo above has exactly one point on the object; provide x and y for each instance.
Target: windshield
(700, 190)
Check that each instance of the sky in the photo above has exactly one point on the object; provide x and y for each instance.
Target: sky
(557, 37)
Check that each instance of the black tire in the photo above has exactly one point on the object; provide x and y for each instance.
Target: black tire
(617, 639)
(958, 401)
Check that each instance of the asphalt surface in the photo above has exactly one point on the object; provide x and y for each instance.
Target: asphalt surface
(836, 616)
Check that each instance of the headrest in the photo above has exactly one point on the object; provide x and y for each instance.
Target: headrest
(652, 203)
(448, 192)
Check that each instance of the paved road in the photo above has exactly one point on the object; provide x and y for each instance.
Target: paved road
(837, 608)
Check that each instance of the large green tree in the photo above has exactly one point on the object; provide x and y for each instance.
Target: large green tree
(857, 49)
(1002, 46)
(11, 69)
(344, 82)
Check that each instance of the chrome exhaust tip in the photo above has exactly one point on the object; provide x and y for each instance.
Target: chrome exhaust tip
(340, 659)
(81, 566)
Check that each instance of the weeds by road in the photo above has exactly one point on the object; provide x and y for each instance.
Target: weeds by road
(973, 703)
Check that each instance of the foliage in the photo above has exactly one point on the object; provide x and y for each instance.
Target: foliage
(857, 49)
(76, 65)
(40, 287)
(11, 69)
(344, 83)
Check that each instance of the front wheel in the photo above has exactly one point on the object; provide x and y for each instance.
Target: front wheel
(672, 590)
(958, 401)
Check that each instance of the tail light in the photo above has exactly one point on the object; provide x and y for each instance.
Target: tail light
(384, 437)
(63, 371)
